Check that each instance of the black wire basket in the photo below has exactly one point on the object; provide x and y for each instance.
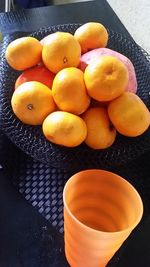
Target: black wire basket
(31, 140)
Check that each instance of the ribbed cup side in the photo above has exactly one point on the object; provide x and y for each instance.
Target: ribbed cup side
(100, 211)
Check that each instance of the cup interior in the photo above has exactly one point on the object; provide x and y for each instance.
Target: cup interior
(103, 201)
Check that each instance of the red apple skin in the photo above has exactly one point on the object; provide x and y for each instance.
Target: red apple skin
(37, 73)
(88, 57)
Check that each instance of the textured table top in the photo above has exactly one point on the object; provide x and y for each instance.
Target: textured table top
(33, 19)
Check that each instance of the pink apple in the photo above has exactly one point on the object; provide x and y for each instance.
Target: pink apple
(88, 57)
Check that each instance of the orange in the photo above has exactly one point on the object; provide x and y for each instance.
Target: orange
(44, 40)
(61, 50)
(32, 102)
(100, 131)
(23, 53)
(69, 91)
(106, 78)
(64, 128)
(129, 115)
(91, 35)
(37, 73)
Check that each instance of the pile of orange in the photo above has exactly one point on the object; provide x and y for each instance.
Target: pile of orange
(74, 106)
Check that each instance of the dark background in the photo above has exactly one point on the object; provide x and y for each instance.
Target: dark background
(2, 4)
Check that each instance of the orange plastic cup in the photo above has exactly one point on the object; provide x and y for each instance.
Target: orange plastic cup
(100, 211)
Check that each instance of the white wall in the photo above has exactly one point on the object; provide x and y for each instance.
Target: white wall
(135, 15)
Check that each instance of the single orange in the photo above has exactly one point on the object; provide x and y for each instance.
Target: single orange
(100, 131)
(23, 53)
(91, 35)
(44, 40)
(32, 102)
(106, 78)
(129, 114)
(61, 50)
(69, 91)
(37, 73)
(64, 128)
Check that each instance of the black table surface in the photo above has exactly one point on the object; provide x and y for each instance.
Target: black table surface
(32, 19)
(24, 234)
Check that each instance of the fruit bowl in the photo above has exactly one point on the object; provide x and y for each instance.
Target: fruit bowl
(31, 140)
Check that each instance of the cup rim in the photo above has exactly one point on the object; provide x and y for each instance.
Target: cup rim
(128, 229)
